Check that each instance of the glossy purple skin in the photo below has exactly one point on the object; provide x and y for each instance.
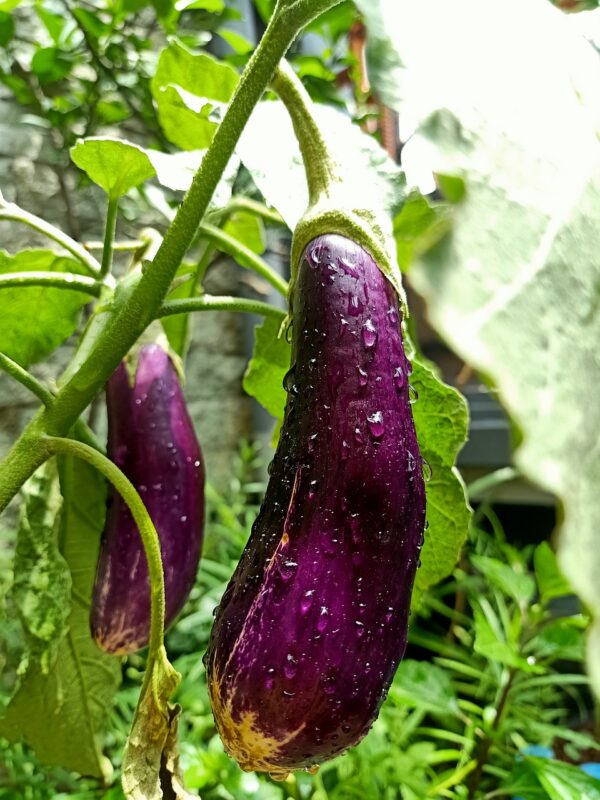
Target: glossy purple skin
(313, 624)
(152, 439)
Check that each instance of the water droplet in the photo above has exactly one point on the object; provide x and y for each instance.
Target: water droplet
(392, 314)
(413, 395)
(196, 463)
(288, 334)
(376, 426)
(427, 471)
(399, 378)
(312, 489)
(287, 569)
(183, 518)
(312, 440)
(410, 461)
(343, 326)
(345, 450)
(142, 488)
(323, 621)
(269, 683)
(363, 378)
(288, 694)
(138, 401)
(328, 684)
(355, 305)
(291, 667)
(289, 381)
(270, 466)
(307, 601)
(369, 334)
(358, 435)
(346, 728)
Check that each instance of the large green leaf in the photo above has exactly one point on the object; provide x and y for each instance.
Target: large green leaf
(425, 686)
(514, 287)
(441, 421)
(563, 781)
(114, 164)
(189, 89)
(34, 320)
(42, 582)
(61, 713)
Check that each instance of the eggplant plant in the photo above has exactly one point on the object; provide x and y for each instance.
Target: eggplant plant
(311, 629)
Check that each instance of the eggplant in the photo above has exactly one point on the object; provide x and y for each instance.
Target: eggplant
(151, 438)
(313, 623)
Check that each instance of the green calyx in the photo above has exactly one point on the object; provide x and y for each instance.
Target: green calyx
(338, 194)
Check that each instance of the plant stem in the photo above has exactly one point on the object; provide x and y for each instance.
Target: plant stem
(244, 256)
(150, 541)
(57, 280)
(208, 302)
(109, 236)
(27, 380)
(80, 430)
(11, 211)
(318, 164)
(129, 319)
(118, 247)
(240, 203)
(486, 745)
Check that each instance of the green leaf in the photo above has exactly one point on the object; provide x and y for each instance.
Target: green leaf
(270, 361)
(564, 781)
(425, 686)
(279, 172)
(7, 28)
(550, 580)
(35, 320)
(514, 287)
(61, 714)
(213, 6)
(492, 643)
(51, 64)
(113, 164)
(248, 229)
(561, 639)
(188, 88)
(417, 227)
(517, 585)
(442, 422)
(42, 582)
(150, 768)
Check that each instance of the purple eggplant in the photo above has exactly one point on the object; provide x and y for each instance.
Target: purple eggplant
(152, 439)
(314, 621)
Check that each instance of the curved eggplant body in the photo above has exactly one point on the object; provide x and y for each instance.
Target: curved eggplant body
(313, 624)
(152, 439)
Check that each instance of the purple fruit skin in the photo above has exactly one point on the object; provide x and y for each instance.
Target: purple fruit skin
(313, 624)
(152, 439)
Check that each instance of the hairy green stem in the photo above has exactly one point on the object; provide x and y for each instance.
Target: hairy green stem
(318, 164)
(209, 302)
(240, 203)
(130, 318)
(244, 256)
(27, 380)
(80, 430)
(11, 211)
(57, 445)
(109, 236)
(57, 280)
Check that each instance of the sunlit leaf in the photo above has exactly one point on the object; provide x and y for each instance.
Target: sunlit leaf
(114, 164)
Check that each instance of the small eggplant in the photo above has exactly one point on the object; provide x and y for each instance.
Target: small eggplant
(313, 624)
(152, 439)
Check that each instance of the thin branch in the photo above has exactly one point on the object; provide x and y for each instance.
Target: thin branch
(241, 203)
(57, 280)
(11, 211)
(109, 236)
(80, 430)
(26, 379)
(220, 303)
(244, 256)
